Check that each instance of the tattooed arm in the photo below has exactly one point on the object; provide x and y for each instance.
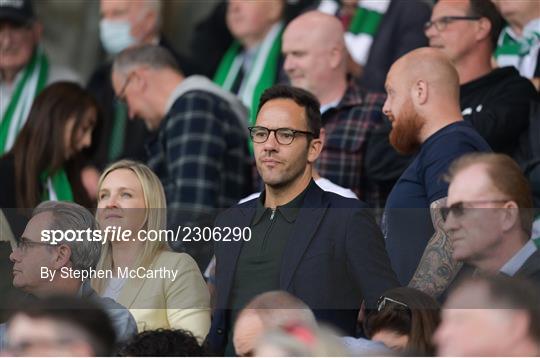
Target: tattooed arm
(437, 268)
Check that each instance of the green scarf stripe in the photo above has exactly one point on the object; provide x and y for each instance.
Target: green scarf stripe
(43, 73)
(267, 79)
(60, 185)
(38, 63)
(509, 46)
(365, 21)
(6, 121)
(226, 63)
(508, 49)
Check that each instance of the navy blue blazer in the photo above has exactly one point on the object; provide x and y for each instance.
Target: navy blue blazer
(335, 258)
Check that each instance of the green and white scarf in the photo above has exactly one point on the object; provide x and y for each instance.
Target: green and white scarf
(262, 74)
(57, 186)
(33, 80)
(363, 27)
(516, 51)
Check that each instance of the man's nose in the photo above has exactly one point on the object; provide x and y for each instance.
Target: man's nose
(271, 142)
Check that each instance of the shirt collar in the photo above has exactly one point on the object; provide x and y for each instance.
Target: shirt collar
(326, 107)
(289, 211)
(173, 96)
(516, 262)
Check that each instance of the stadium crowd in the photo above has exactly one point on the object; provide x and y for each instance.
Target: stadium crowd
(313, 178)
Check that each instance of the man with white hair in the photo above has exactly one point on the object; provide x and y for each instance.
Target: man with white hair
(123, 24)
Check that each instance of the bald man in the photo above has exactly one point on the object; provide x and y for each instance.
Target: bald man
(267, 311)
(423, 106)
(316, 60)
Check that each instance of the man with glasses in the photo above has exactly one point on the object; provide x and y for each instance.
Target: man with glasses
(31, 256)
(199, 150)
(489, 216)
(494, 101)
(321, 247)
(24, 67)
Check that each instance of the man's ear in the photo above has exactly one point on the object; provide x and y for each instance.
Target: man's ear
(322, 136)
(483, 29)
(510, 216)
(63, 256)
(314, 150)
(419, 92)
(336, 57)
(140, 74)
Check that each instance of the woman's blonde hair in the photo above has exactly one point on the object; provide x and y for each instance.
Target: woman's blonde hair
(155, 217)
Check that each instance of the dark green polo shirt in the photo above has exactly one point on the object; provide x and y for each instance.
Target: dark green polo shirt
(259, 264)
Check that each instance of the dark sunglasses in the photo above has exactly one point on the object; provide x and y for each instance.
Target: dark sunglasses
(458, 209)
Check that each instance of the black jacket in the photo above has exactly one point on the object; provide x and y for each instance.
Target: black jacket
(497, 105)
(334, 258)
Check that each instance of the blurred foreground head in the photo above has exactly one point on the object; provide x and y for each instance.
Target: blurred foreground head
(60, 326)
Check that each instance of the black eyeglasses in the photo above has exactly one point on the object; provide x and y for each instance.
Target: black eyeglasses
(441, 23)
(283, 136)
(23, 244)
(458, 209)
(384, 301)
(121, 97)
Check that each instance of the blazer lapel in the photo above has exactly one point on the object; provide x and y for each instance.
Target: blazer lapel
(130, 291)
(306, 225)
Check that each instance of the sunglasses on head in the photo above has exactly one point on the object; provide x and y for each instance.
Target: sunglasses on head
(384, 301)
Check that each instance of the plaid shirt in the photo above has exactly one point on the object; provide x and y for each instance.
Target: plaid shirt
(200, 155)
(348, 126)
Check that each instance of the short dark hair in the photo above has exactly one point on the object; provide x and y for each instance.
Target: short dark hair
(302, 98)
(76, 312)
(163, 342)
(487, 9)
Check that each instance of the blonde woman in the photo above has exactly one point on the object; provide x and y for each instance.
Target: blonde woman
(162, 289)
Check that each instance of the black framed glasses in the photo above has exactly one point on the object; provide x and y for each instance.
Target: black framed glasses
(24, 244)
(384, 301)
(458, 209)
(121, 97)
(283, 136)
(442, 22)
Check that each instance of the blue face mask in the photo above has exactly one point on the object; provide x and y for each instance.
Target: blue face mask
(115, 35)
